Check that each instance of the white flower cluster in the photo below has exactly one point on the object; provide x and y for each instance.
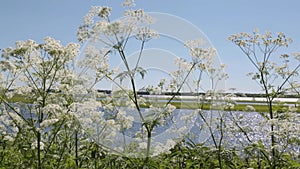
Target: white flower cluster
(112, 34)
(29, 55)
(54, 47)
(7, 124)
(22, 90)
(102, 12)
(87, 110)
(51, 108)
(200, 54)
(84, 32)
(34, 145)
(204, 60)
(92, 120)
(161, 148)
(143, 145)
(178, 76)
(182, 64)
(136, 16)
(126, 121)
(145, 34)
(7, 65)
(26, 45)
(96, 60)
(157, 115)
(169, 110)
(128, 3)
(247, 40)
(48, 122)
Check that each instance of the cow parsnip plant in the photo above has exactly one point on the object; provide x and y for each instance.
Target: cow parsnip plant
(41, 75)
(276, 75)
(115, 37)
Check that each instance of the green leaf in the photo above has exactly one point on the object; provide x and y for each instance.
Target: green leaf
(141, 71)
(123, 75)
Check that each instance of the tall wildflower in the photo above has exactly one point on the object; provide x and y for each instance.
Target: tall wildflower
(36, 77)
(275, 77)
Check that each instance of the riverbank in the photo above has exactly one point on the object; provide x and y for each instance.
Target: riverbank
(258, 104)
(233, 103)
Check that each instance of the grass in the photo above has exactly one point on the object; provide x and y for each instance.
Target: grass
(207, 106)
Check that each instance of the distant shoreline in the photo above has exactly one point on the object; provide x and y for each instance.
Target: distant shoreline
(238, 94)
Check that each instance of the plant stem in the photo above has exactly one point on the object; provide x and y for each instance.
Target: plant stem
(148, 146)
(39, 149)
(76, 147)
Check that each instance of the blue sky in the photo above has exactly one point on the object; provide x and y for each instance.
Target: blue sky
(36, 19)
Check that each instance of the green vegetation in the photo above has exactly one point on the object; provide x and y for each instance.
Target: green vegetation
(258, 106)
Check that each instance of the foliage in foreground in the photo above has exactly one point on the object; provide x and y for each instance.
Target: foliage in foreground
(181, 156)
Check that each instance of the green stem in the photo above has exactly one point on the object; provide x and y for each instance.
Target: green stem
(76, 147)
(39, 149)
(269, 101)
(122, 54)
(148, 146)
